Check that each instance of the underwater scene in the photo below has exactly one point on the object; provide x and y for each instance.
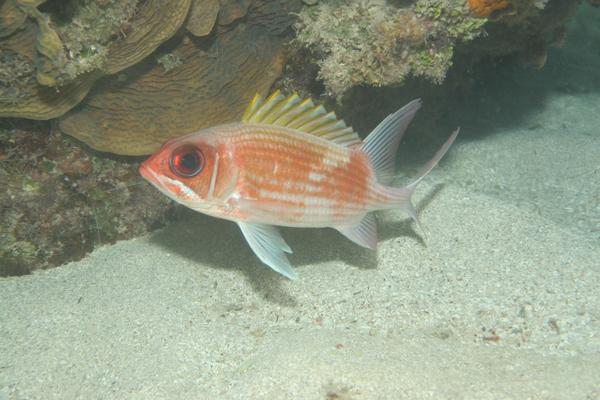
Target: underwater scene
(299, 199)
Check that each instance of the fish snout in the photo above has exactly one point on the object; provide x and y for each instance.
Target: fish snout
(144, 171)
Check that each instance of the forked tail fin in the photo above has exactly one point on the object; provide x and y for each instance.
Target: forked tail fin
(401, 197)
(381, 146)
(382, 143)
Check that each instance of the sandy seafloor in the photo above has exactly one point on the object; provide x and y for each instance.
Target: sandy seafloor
(503, 301)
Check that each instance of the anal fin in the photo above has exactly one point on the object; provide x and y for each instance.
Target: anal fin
(269, 247)
(363, 234)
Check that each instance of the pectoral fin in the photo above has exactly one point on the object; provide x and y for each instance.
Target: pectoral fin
(269, 247)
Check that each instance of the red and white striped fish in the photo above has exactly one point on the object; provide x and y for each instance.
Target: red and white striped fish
(288, 163)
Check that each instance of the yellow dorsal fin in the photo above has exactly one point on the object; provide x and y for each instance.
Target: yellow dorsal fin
(303, 115)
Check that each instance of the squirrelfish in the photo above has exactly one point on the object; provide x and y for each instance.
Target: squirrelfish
(289, 163)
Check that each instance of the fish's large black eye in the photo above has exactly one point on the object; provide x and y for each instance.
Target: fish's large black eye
(186, 161)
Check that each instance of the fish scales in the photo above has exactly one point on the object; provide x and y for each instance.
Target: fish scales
(310, 181)
(288, 163)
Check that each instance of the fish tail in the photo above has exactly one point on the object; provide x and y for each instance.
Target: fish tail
(401, 198)
(381, 146)
(382, 143)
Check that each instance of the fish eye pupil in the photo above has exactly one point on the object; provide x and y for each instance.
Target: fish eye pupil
(187, 161)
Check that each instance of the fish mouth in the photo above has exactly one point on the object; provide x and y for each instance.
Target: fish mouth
(151, 176)
(147, 173)
(162, 184)
(144, 172)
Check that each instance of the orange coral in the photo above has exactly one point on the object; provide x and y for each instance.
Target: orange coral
(483, 8)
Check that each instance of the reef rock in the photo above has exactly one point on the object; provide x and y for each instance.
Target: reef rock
(203, 16)
(198, 83)
(376, 43)
(58, 201)
(154, 23)
(49, 64)
(11, 17)
(134, 116)
(20, 93)
(380, 43)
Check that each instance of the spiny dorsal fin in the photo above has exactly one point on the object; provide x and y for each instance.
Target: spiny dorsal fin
(303, 115)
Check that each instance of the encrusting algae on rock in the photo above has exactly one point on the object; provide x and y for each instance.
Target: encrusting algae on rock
(381, 43)
(215, 76)
(67, 47)
(484, 8)
(375, 43)
(58, 202)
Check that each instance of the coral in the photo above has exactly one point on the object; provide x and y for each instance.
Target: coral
(11, 17)
(232, 10)
(215, 80)
(449, 19)
(169, 61)
(58, 202)
(209, 87)
(381, 43)
(73, 36)
(371, 42)
(526, 32)
(113, 35)
(155, 22)
(496, 9)
(74, 43)
(16, 73)
(484, 8)
(58, 199)
(202, 18)
(87, 29)
(20, 93)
